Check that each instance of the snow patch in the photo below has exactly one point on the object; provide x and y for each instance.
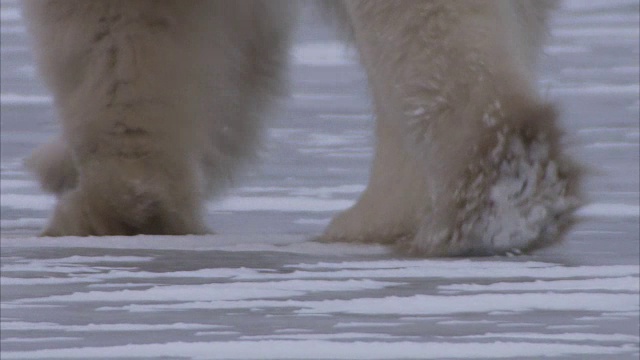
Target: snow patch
(622, 284)
(28, 202)
(218, 292)
(332, 53)
(282, 204)
(8, 99)
(482, 303)
(609, 210)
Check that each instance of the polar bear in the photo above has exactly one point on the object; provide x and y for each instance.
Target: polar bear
(161, 100)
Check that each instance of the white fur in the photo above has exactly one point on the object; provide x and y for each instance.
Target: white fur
(160, 100)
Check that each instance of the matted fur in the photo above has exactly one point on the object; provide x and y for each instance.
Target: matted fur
(160, 100)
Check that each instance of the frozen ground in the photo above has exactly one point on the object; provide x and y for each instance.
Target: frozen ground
(260, 289)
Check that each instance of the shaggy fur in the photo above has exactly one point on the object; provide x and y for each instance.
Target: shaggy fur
(160, 101)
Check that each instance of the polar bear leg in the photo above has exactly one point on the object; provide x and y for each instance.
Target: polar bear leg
(159, 102)
(389, 208)
(453, 86)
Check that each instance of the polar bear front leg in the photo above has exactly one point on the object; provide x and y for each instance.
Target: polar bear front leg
(505, 187)
(391, 206)
(159, 102)
(453, 80)
(127, 160)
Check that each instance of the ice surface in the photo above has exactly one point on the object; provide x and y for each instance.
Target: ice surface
(336, 350)
(260, 289)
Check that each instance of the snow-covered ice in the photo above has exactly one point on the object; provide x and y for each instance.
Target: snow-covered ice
(261, 289)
